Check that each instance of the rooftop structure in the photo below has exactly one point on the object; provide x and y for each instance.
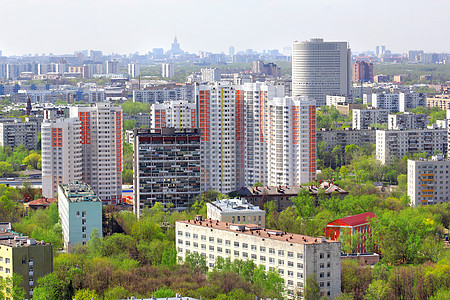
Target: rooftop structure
(236, 211)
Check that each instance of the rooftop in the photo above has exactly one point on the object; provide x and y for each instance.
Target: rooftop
(255, 230)
(356, 219)
(229, 205)
(78, 192)
(13, 239)
(292, 190)
(41, 202)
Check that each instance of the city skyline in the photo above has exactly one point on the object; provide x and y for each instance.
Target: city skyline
(121, 26)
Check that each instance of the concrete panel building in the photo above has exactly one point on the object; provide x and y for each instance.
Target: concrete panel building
(294, 256)
(364, 118)
(321, 68)
(407, 121)
(333, 138)
(428, 181)
(398, 143)
(80, 212)
(17, 133)
(26, 257)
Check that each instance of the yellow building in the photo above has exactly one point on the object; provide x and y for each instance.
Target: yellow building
(27, 257)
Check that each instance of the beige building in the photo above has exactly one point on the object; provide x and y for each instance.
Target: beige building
(441, 101)
(294, 256)
(237, 211)
(428, 181)
(24, 256)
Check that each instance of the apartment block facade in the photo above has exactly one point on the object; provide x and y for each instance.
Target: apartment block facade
(80, 212)
(166, 167)
(174, 114)
(392, 144)
(236, 211)
(364, 118)
(26, 257)
(333, 138)
(102, 147)
(13, 134)
(428, 181)
(294, 256)
(62, 155)
(407, 121)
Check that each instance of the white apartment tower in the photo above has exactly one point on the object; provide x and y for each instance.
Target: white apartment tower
(167, 70)
(61, 154)
(101, 140)
(321, 68)
(174, 114)
(291, 141)
(216, 119)
(134, 70)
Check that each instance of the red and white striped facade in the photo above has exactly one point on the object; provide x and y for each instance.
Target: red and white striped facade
(102, 142)
(174, 114)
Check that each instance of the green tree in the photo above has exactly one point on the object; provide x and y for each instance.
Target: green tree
(305, 204)
(312, 288)
(5, 168)
(164, 292)
(32, 160)
(129, 124)
(86, 294)
(10, 287)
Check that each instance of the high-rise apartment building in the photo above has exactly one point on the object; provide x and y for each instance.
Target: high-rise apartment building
(407, 121)
(134, 70)
(166, 167)
(210, 74)
(61, 154)
(112, 67)
(216, 119)
(167, 70)
(291, 141)
(428, 181)
(80, 212)
(362, 71)
(400, 102)
(101, 140)
(174, 114)
(321, 68)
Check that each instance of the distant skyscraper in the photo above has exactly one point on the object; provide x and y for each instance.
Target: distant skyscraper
(362, 71)
(321, 68)
(231, 51)
(380, 50)
(158, 53)
(112, 67)
(175, 47)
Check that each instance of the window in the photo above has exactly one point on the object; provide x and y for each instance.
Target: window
(195, 236)
(328, 255)
(227, 242)
(7, 271)
(290, 254)
(211, 248)
(321, 256)
(281, 262)
(328, 274)
(262, 249)
(290, 282)
(299, 255)
(321, 266)
(180, 233)
(290, 263)
(328, 283)
(244, 254)
(328, 264)
(203, 246)
(300, 284)
(271, 251)
(219, 241)
(203, 237)
(195, 245)
(254, 256)
(254, 248)
(299, 266)
(321, 284)
(321, 275)
(262, 258)
(188, 243)
(299, 275)
(1, 269)
(290, 273)
(1, 259)
(180, 241)
(271, 260)
(281, 271)
(7, 260)
(188, 234)
(236, 253)
(227, 251)
(245, 246)
(280, 253)
(236, 244)
(211, 256)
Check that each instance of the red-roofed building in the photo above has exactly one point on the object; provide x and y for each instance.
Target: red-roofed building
(352, 224)
(39, 203)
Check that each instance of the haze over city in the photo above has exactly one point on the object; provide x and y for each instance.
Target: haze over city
(127, 26)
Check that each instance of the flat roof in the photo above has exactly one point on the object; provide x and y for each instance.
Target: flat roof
(272, 234)
(13, 239)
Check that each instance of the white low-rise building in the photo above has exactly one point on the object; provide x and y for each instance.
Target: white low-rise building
(428, 181)
(294, 256)
(236, 211)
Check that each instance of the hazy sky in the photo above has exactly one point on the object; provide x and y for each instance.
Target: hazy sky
(125, 26)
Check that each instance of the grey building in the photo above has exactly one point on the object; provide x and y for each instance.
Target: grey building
(407, 121)
(364, 118)
(16, 133)
(333, 138)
